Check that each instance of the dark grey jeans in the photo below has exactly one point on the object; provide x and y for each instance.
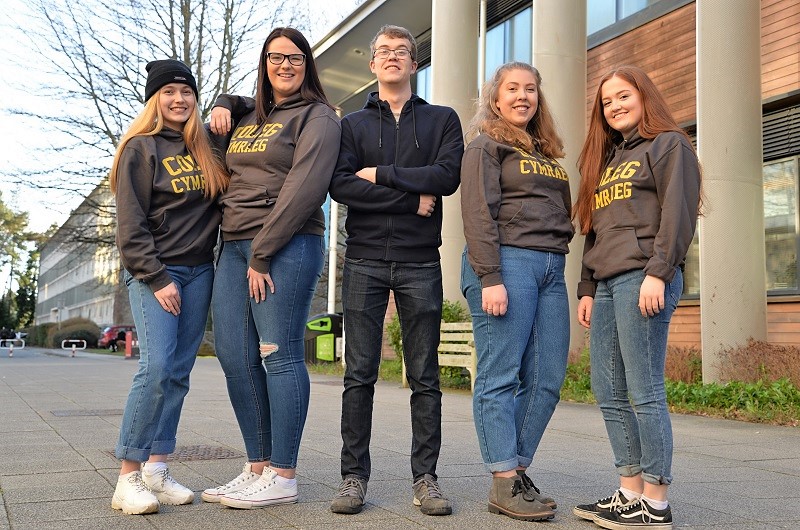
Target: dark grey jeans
(365, 294)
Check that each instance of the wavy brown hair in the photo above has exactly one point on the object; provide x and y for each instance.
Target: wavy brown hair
(539, 135)
(600, 140)
(150, 122)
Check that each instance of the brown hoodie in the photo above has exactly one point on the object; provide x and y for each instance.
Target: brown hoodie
(510, 197)
(280, 172)
(645, 210)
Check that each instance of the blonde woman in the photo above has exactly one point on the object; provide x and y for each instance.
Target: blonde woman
(165, 178)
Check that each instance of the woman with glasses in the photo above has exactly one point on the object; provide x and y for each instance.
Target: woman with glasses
(282, 150)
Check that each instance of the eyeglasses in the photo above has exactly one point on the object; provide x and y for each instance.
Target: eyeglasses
(295, 59)
(383, 53)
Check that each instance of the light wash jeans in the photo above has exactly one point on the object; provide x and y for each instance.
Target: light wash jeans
(269, 397)
(522, 355)
(168, 347)
(628, 352)
(417, 291)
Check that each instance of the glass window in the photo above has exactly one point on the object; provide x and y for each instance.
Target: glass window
(423, 88)
(691, 273)
(495, 49)
(511, 40)
(780, 224)
(602, 13)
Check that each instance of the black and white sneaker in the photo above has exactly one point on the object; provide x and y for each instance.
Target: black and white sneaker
(637, 515)
(609, 504)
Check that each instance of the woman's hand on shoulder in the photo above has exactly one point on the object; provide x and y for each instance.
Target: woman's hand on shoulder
(495, 300)
(220, 120)
(258, 284)
(651, 296)
(585, 311)
(169, 298)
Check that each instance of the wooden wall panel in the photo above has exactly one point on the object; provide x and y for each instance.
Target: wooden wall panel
(783, 325)
(665, 48)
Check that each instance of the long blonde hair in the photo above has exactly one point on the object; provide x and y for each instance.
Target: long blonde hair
(540, 133)
(150, 122)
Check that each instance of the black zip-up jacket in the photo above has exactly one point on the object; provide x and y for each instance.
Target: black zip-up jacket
(418, 154)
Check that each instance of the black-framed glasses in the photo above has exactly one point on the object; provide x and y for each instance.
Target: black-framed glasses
(383, 53)
(295, 59)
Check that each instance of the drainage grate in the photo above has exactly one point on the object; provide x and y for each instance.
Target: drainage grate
(198, 452)
(84, 412)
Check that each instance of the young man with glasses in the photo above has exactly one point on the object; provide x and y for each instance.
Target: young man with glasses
(399, 155)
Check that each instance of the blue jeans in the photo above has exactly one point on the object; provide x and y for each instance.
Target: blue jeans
(628, 352)
(269, 397)
(168, 347)
(522, 355)
(418, 295)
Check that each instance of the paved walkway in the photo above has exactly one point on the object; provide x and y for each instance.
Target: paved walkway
(59, 420)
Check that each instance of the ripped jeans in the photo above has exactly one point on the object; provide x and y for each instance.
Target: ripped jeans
(269, 396)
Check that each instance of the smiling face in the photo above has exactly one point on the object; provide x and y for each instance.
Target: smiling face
(177, 104)
(285, 78)
(622, 105)
(518, 97)
(393, 70)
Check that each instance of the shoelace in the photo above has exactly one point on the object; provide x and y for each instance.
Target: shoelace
(433, 490)
(350, 487)
(615, 501)
(647, 517)
(166, 478)
(519, 487)
(137, 482)
(259, 485)
(527, 483)
(235, 482)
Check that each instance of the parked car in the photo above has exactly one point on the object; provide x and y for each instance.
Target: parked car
(110, 334)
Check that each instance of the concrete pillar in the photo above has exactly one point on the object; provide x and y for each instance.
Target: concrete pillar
(454, 82)
(733, 301)
(559, 53)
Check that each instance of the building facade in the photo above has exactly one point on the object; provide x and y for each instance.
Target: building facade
(586, 38)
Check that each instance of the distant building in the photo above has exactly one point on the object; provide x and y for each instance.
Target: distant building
(79, 267)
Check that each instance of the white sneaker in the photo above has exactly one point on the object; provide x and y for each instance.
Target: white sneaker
(166, 489)
(245, 478)
(132, 496)
(265, 491)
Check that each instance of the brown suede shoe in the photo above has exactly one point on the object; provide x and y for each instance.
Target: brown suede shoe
(531, 488)
(508, 496)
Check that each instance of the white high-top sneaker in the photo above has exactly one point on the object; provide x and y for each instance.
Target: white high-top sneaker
(267, 490)
(132, 495)
(166, 489)
(245, 478)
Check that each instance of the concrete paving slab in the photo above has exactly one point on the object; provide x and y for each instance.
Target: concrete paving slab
(718, 464)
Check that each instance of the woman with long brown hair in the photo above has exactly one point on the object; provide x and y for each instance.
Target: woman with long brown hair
(637, 205)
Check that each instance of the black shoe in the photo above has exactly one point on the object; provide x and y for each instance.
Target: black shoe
(609, 504)
(637, 515)
(531, 488)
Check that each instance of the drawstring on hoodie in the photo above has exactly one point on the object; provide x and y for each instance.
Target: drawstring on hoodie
(380, 124)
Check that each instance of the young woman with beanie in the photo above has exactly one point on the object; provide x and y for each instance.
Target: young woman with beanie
(515, 204)
(281, 155)
(638, 206)
(165, 177)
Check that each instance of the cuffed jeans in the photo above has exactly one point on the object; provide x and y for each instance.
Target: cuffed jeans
(365, 294)
(269, 397)
(628, 352)
(522, 355)
(168, 347)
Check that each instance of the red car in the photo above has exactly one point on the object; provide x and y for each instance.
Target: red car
(110, 335)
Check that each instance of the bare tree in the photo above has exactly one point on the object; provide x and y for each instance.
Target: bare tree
(92, 55)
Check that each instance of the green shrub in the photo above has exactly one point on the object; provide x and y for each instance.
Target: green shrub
(450, 376)
(74, 328)
(37, 335)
